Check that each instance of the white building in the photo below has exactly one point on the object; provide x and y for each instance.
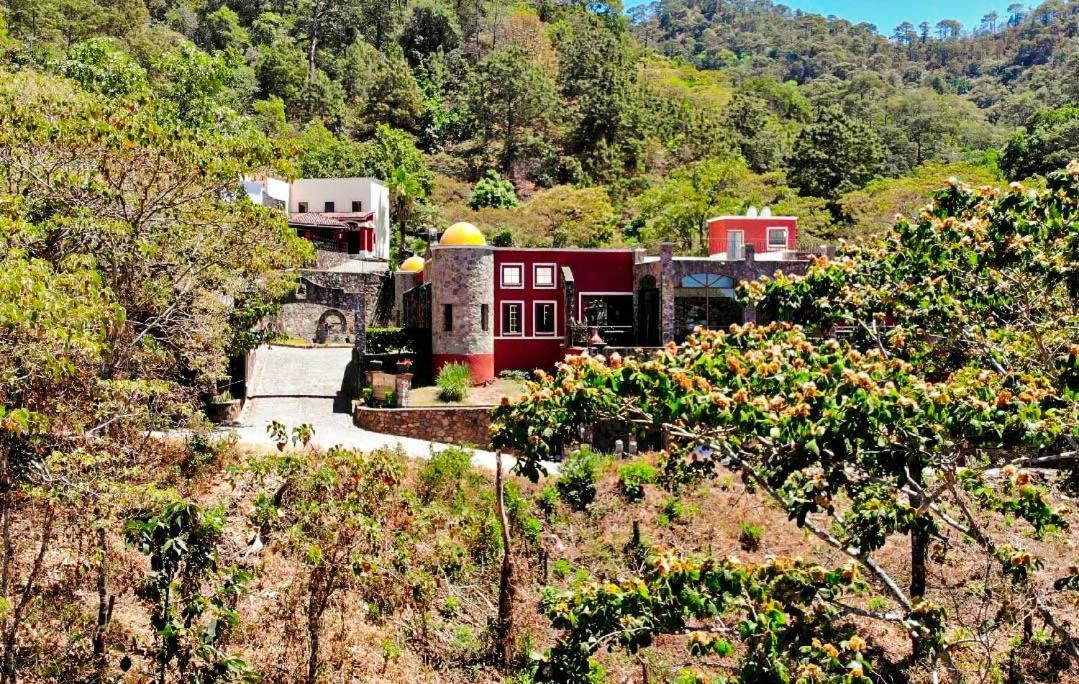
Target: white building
(338, 214)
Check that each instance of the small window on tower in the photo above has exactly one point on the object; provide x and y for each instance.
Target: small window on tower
(357, 206)
(329, 207)
(301, 207)
(447, 317)
(485, 317)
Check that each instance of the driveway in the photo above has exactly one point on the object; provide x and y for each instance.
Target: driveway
(296, 385)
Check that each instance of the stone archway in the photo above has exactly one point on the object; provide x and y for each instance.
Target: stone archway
(332, 326)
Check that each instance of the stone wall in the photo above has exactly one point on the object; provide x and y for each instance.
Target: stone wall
(465, 425)
(325, 305)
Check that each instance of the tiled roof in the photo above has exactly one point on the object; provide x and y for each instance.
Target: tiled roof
(336, 219)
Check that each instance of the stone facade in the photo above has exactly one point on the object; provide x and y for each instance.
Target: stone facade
(666, 274)
(462, 278)
(327, 305)
(466, 425)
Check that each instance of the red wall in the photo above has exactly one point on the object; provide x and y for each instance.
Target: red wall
(755, 229)
(593, 271)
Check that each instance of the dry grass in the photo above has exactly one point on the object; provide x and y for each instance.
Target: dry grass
(421, 641)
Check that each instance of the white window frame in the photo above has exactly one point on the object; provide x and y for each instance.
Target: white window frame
(535, 317)
(768, 238)
(554, 276)
(503, 319)
(730, 254)
(502, 276)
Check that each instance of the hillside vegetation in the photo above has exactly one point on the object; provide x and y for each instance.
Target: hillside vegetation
(600, 117)
(895, 504)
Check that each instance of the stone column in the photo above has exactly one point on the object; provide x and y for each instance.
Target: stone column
(666, 292)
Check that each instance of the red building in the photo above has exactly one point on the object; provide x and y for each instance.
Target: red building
(511, 308)
(729, 235)
(538, 291)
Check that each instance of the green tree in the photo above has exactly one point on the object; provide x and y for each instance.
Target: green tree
(493, 191)
(1049, 140)
(834, 155)
(676, 209)
(406, 189)
(430, 28)
(509, 94)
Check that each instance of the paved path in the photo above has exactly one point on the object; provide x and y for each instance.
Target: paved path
(296, 385)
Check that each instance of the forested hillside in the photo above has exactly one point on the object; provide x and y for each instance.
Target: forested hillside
(610, 129)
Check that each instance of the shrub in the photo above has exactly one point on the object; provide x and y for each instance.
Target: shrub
(633, 477)
(577, 483)
(493, 191)
(547, 500)
(454, 382)
(441, 478)
(750, 537)
(389, 340)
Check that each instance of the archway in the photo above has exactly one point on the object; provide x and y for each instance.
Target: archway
(332, 327)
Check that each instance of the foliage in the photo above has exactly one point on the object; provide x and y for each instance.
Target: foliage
(454, 382)
(577, 478)
(872, 210)
(632, 478)
(947, 351)
(780, 608)
(390, 340)
(1048, 141)
(833, 155)
(191, 615)
(442, 477)
(493, 191)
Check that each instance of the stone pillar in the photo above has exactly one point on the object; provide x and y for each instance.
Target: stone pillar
(666, 292)
(463, 285)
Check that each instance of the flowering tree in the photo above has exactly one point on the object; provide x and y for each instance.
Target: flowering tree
(955, 383)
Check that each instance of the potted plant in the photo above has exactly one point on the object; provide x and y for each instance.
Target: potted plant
(404, 364)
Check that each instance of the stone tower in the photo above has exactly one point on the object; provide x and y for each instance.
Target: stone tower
(461, 272)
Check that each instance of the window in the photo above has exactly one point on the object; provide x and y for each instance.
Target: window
(543, 318)
(447, 317)
(357, 206)
(777, 238)
(485, 317)
(302, 207)
(543, 276)
(329, 207)
(512, 318)
(513, 276)
(736, 240)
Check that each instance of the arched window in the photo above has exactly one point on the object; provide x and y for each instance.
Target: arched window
(708, 280)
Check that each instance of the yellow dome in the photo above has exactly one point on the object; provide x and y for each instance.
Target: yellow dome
(462, 233)
(413, 264)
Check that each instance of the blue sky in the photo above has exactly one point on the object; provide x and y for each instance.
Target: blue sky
(887, 14)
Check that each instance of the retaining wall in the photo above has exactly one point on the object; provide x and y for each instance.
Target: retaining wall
(466, 425)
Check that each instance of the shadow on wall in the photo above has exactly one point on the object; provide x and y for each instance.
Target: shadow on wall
(350, 384)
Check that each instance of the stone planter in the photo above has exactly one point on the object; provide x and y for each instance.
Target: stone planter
(224, 411)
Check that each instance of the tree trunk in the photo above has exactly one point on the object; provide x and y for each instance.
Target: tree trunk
(10, 637)
(105, 605)
(504, 627)
(919, 552)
